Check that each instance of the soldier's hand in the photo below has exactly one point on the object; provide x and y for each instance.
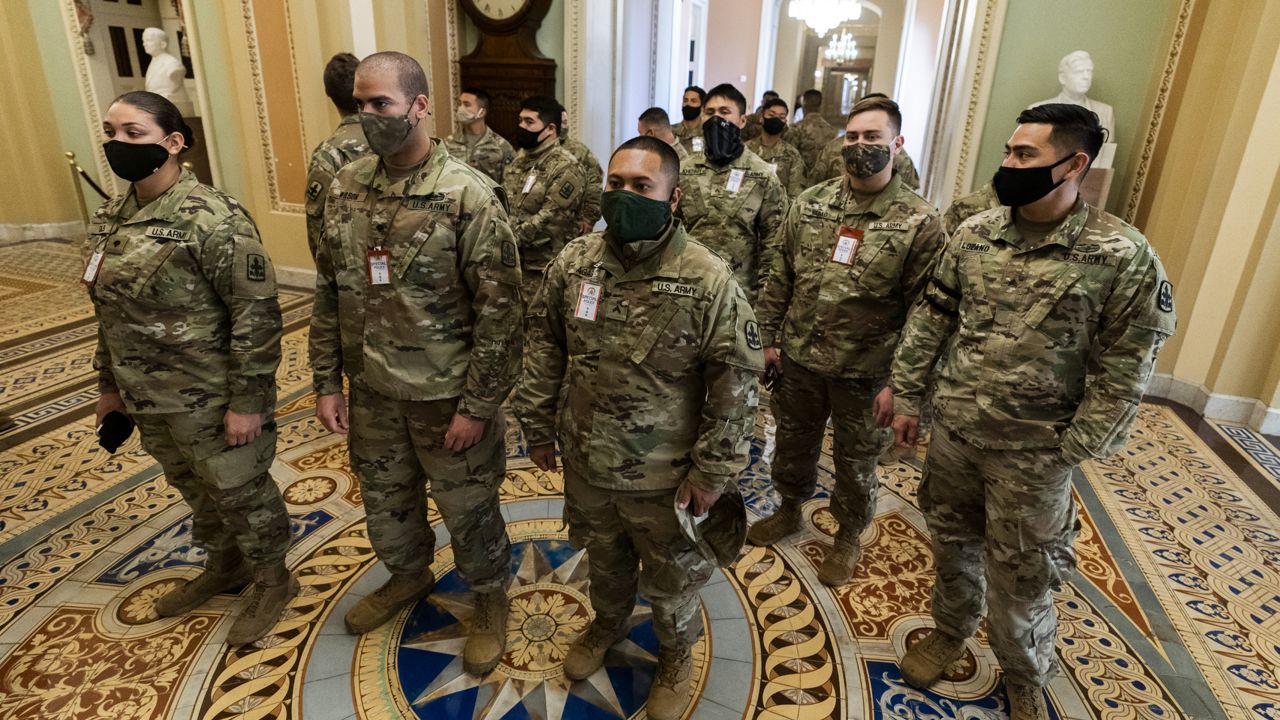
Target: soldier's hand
(107, 403)
(882, 408)
(544, 456)
(332, 412)
(242, 428)
(463, 433)
(773, 359)
(702, 499)
(906, 428)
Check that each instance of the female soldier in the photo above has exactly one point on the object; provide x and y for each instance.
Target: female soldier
(188, 344)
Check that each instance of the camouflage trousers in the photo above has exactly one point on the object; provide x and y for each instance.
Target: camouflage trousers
(634, 541)
(397, 448)
(1003, 525)
(802, 402)
(234, 502)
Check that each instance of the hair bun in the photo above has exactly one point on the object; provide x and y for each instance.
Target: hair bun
(188, 136)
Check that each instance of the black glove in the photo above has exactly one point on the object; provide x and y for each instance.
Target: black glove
(116, 427)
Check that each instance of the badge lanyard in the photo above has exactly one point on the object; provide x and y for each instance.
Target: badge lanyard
(377, 258)
(95, 261)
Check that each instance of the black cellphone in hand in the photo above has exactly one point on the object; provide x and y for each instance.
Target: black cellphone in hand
(116, 427)
(771, 377)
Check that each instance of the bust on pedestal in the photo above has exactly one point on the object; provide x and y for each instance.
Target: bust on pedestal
(1075, 74)
(166, 72)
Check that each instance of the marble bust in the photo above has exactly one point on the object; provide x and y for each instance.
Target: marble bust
(1075, 74)
(166, 71)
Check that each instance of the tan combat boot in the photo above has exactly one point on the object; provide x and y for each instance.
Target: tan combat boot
(1026, 702)
(588, 651)
(837, 567)
(487, 636)
(778, 526)
(273, 588)
(382, 604)
(223, 571)
(670, 692)
(925, 662)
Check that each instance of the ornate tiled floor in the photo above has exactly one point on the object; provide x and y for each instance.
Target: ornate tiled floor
(1176, 612)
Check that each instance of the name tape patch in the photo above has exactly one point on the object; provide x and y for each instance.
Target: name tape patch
(889, 225)
(665, 286)
(164, 233)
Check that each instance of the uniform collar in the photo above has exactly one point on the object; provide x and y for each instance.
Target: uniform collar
(165, 208)
(374, 176)
(352, 119)
(880, 205)
(741, 162)
(1065, 234)
(543, 148)
(666, 262)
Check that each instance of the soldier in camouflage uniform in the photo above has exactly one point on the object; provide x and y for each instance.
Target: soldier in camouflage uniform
(812, 132)
(417, 303)
(188, 346)
(592, 175)
(754, 122)
(544, 185)
(980, 200)
(733, 202)
(854, 254)
(642, 367)
(689, 130)
(655, 122)
(782, 156)
(345, 144)
(831, 165)
(476, 144)
(1050, 313)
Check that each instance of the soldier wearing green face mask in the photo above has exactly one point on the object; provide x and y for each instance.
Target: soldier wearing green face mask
(854, 254)
(641, 366)
(418, 304)
(188, 346)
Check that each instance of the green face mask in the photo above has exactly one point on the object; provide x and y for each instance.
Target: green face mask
(633, 217)
(386, 133)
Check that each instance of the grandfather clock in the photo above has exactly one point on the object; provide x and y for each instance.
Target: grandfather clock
(507, 62)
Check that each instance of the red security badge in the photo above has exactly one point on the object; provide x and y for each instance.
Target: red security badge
(847, 242)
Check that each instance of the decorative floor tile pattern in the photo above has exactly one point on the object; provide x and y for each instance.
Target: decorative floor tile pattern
(1175, 612)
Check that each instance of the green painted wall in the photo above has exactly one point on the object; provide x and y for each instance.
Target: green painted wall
(60, 74)
(1128, 41)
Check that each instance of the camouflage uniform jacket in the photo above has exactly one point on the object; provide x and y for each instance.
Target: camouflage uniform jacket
(786, 162)
(681, 152)
(981, 200)
(753, 126)
(592, 174)
(686, 136)
(185, 297)
(660, 386)
(345, 144)
(448, 323)
(843, 320)
(544, 187)
(809, 136)
(490, 153)
(831, 165)
(1049, 343)
(739, 226)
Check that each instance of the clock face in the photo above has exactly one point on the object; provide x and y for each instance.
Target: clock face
(499, 9)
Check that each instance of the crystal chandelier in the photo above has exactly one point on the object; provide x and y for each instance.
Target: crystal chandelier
(823, 15)
(842, 49)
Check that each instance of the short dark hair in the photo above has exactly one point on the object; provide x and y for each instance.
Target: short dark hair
(163, 111)
(884, 104)
(482, 97)
(339, 79)
(413, 81)
(1075, 127)
(872, 95)
(655, 116)
(670, 161)
(702, 94)
(731, 93)
(547, 108)
(767, 93)
(811, 98)
(775, 102)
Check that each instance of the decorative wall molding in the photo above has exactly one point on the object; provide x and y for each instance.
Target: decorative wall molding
(42, 231)
(278, 204)
(1156, 121)
(1216, 406)
(979, 94)
(575, 41)
(89, 99)
(451, 40)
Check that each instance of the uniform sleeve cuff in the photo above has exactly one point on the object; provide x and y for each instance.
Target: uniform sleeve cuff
(107, 385)
(327, 385)
(906, 406)
(707, 482)
(476, 409)
(535, 435)
(249, 405)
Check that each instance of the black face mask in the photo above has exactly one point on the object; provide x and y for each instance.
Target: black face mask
(773, 125)
(528, 139)
(722, 140)
(134, 161)
(690, 112)
(1016, 187)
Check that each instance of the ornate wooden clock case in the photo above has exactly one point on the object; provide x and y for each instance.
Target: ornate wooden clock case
(506, 62)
